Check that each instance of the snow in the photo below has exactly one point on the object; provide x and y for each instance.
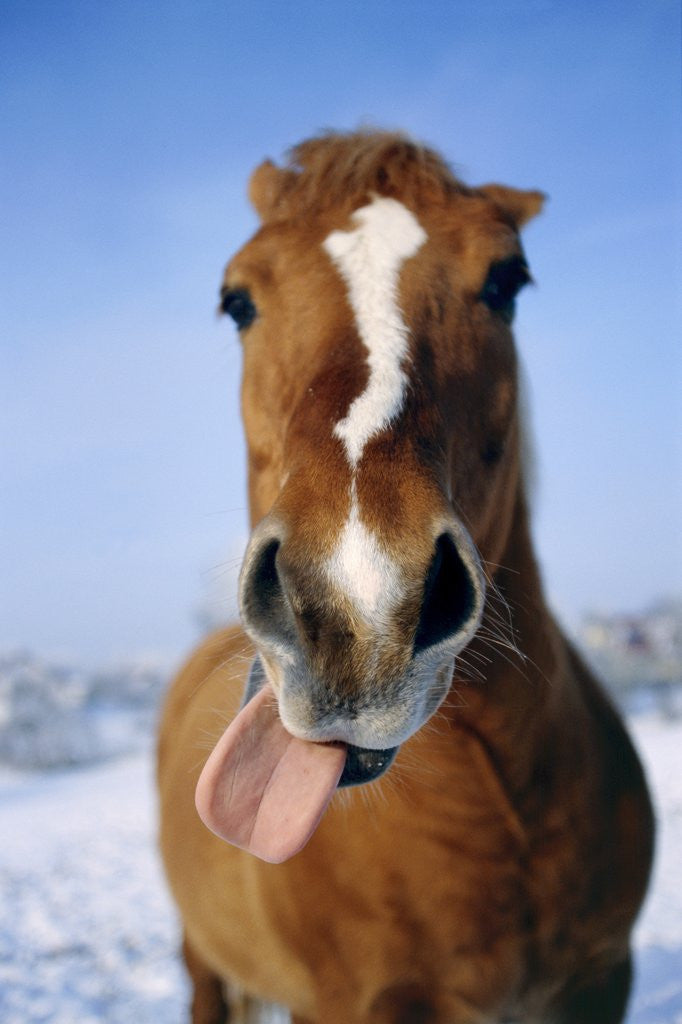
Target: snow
(658, 936)
(88, 934)
(53, 715)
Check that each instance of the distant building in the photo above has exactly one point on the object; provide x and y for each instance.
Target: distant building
(638, 650)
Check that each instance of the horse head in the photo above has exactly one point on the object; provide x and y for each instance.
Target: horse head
(379, 400)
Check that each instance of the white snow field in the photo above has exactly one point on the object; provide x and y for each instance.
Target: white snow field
(88, 934)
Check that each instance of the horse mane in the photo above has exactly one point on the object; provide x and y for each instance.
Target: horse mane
(340, 169)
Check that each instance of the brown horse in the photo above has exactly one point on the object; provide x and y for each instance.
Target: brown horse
(494, 872)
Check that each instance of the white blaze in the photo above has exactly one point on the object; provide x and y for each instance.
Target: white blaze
(363, 570)
(369, 258)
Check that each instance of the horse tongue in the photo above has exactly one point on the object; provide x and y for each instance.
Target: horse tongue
(263, 789)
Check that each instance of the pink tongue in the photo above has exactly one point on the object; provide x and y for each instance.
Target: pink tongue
(263, 789)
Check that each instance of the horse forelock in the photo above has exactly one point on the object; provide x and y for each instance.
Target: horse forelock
(341, 170)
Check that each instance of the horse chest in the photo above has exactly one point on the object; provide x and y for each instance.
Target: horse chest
(390, 893)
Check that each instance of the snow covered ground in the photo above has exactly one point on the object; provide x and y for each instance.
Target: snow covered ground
(87, 933)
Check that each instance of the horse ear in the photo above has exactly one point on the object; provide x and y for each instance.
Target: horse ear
(265, 188)
(519, 204)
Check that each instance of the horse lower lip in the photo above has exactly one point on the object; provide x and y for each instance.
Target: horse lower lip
(364, 765)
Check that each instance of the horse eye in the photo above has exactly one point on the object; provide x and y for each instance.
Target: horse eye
(503, 283)
(237, 303)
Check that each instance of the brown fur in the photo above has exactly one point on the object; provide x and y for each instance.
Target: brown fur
(495, 872)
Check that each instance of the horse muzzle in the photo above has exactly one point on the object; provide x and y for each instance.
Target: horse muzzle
(341, 675)
(363, 764)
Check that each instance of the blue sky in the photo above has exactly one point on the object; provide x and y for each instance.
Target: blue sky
(129, 133)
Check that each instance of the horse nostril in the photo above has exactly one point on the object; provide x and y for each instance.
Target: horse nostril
(450, 596)
(265, 610)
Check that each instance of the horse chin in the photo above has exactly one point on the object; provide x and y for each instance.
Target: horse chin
(365, 765)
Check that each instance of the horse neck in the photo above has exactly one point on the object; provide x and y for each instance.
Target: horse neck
(521, 687)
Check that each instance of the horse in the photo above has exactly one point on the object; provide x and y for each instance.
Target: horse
(424, 809)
